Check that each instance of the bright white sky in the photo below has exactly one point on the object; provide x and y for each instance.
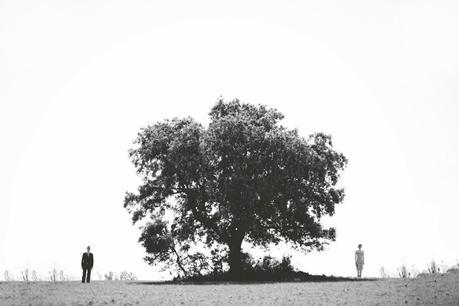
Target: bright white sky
(79, 78)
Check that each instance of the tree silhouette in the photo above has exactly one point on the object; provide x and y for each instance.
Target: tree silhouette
(244, 177)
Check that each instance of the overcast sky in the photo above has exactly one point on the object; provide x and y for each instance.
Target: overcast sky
(78, 79)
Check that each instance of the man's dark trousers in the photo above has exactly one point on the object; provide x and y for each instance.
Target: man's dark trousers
(86, 275)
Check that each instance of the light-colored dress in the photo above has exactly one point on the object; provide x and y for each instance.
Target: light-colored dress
(359, 259)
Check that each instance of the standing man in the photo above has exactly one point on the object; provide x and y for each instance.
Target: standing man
(87, 261)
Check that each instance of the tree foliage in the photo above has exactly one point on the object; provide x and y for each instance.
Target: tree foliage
(244, 177)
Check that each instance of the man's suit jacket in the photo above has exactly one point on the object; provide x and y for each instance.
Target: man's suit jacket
(87, 261)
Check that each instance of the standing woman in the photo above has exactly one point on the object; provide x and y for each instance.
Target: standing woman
(359, 261)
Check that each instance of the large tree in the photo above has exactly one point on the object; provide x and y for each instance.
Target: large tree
(244, 177)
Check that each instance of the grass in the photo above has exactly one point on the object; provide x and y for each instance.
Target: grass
(298, 288)
(440, 289)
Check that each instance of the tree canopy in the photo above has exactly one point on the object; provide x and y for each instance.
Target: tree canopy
(244, 177)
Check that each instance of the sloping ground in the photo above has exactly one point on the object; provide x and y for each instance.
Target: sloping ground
(437, 290)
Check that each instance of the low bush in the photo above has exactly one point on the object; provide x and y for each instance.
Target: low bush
(266, 269)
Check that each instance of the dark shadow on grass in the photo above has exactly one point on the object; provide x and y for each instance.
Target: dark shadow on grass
(261, 277)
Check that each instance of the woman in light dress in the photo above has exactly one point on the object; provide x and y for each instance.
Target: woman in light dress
(359, 261)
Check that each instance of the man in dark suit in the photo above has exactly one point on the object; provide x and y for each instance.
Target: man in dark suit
(87, 261)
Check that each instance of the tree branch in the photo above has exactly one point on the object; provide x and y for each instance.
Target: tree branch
(179, 263)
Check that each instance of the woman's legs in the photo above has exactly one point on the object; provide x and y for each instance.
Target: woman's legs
(359, 271)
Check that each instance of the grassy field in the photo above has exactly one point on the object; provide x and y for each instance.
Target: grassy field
(433, 290)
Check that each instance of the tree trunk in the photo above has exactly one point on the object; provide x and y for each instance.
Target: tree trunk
(235, 263)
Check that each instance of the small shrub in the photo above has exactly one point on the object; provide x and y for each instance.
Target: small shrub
(414, 272)
(127, 276)
(53, 275)
(247, 261)
(109, 276)
(35, 277)
(217, 260)
(268, 268)
(453, 269)
(433, 268)
(25, 275)
(62, 276)
(403, 272)
(8, 277)
(383, 273)
(197, 263)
